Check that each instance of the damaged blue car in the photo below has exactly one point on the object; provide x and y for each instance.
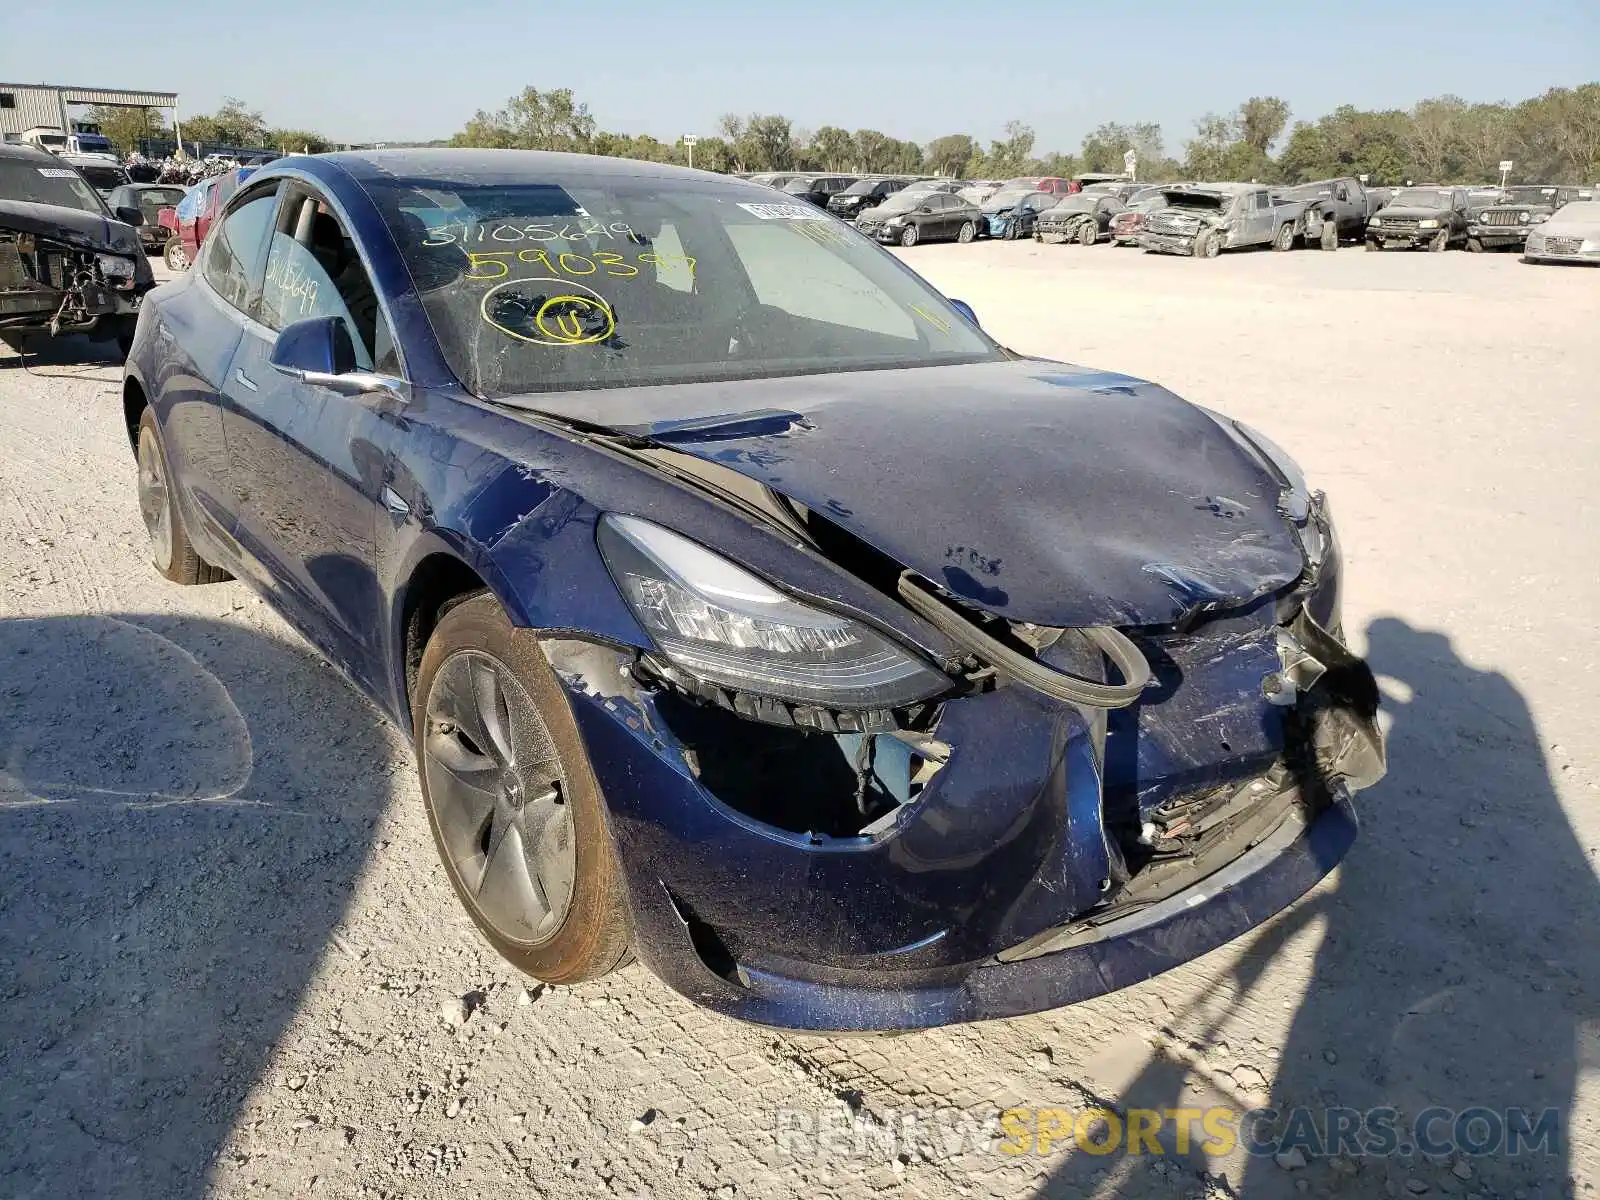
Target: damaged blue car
(753, 613)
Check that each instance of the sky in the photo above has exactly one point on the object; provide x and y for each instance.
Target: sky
(416, 70)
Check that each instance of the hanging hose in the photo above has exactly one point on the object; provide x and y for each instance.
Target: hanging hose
(1130, 663)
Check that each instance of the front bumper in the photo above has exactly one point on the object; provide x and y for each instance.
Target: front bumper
(888, 234)
(1496, 236)
(56, 290)
(1167, 243)
(995, 226)
(985, 897)
(1401, 239)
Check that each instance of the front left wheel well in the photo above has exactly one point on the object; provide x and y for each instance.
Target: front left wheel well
(134, 402)
(439, 583)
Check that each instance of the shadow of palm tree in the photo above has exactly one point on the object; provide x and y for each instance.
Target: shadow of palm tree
(168, 884)
(1459, 961)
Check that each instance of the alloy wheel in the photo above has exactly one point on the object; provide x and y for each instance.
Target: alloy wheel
(498, 796)
(155, 501)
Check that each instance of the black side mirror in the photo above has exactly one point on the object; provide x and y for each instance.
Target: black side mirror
(129, 215)
(965, 309)
(319, 351)
(924, 209)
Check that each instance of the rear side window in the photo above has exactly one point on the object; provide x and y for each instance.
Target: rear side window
(232, 259)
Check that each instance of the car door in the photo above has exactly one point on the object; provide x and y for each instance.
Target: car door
(205, 321)
(1458, 211)
(1261, 217)
(311, 461)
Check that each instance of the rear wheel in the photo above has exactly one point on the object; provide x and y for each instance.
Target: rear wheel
(170, 550)
(968, 232)
(175, 256)
(512, 800)
(1088, 233)
(909, 237)
(1284, 240)
(1207, 244)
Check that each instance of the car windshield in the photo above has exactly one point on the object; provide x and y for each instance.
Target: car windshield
(1210, 201)
(601, 281)
(902, 201)
(797, 187)
(47, 183)
(1530, 195)
(104, 178)
(1421, 198)
(863, 187)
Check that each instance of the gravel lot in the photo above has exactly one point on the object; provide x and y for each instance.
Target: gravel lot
(229, 964)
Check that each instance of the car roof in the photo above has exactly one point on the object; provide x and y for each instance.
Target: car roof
(503, 166)
(16, 150)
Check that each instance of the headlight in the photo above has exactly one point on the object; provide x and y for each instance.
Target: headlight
(1537, 217)
(1375, 221)
(1430, 223)
(723, 625)
(113, 267)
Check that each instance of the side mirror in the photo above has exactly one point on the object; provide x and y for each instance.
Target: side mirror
(129, 215)
(965, 309)
(319, 351)
(924, 209)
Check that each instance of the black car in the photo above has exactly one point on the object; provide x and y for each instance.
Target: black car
(149, 199)
(819, 189)
(1435, 217)
(862, 195)
(1517, 210)
(906, 220)
(66, 264)
(1084, 217)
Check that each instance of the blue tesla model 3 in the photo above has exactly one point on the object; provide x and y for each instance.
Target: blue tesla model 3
(751, 610)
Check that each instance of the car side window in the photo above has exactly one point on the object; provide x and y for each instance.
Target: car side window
(1263, 200)
(232, 260)
(314, 270)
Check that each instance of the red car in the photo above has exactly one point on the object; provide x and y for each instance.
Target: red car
(190, 221)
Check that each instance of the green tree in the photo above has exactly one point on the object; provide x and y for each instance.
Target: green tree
(1103, 149)
(1259, 122)
(832, 148)
(234, 124)
(874, 150)
(766, 143)
(950, 155)
(1009, 156)
(298, 141)
(125, 125)
(1434, 139)
(532, 120)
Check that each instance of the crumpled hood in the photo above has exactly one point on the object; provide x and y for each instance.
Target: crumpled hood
(1412, 212)
(1042, 492)
(72, 226)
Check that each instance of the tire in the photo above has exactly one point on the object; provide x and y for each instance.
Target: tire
(528, 752)
(969, 231)
(1207, 244)
(909, 237)
(1439, 242)
(1373, 245)
(1330, 235)
(1474, 246)
(1284, 239)
(1088, 233)
(170, 549)
(175, 256)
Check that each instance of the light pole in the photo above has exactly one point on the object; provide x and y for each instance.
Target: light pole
(689, 140)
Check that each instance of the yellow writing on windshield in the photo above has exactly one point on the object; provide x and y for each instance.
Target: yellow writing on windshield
(470, 233)
(567, 314)
(486, 266)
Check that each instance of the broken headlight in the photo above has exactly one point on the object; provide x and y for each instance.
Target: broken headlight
(113, 267)
(725, 626)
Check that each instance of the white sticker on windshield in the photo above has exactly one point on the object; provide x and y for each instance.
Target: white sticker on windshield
(57, 173)
(786, 212)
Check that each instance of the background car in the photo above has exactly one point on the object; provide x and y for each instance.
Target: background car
(1435, 217)
(1572, 234)
(1125, 225)
(1506, 223)
(646, 544)
(1011, 212)
(864, 194)
(1083, 217)
(149, 199)
(818, 189)
(103, 174)
(905, 219)
(196, 211)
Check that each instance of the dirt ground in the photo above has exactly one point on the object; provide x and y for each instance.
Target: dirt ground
(230, 966)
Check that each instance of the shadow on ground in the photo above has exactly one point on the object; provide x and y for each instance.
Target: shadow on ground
(167, 886)
(69, 354)
(1459, 963)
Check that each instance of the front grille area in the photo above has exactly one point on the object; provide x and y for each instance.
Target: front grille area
(1562, 245)
(1495, 216)
(1391, 225)
(1178, 223)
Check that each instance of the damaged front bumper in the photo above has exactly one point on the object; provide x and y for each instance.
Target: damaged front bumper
(1168, 243)
(1014, 853)
(49, 287)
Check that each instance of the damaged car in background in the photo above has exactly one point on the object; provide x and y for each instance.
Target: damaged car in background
(741, 615)
(1516, 211)
(66, 264)
(1204, 219)
(1084, 217)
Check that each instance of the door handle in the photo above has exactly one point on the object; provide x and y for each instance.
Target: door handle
(238, 373)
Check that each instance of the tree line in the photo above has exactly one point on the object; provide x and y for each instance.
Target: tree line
(1554, 138)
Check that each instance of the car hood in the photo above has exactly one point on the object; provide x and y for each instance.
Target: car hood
(76, 228)
(1411, 212)
(1040, 491)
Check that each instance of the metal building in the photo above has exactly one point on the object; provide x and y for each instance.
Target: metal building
(26, 105)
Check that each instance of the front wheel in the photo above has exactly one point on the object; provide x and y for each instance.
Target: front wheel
(1207, 245)
(1330, 235)
(175, 256)
(968, 232)
(1474, 246)
(909, 237)
(512, 800)
(1284, 240)
(1088, 233)
(1440, 242)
